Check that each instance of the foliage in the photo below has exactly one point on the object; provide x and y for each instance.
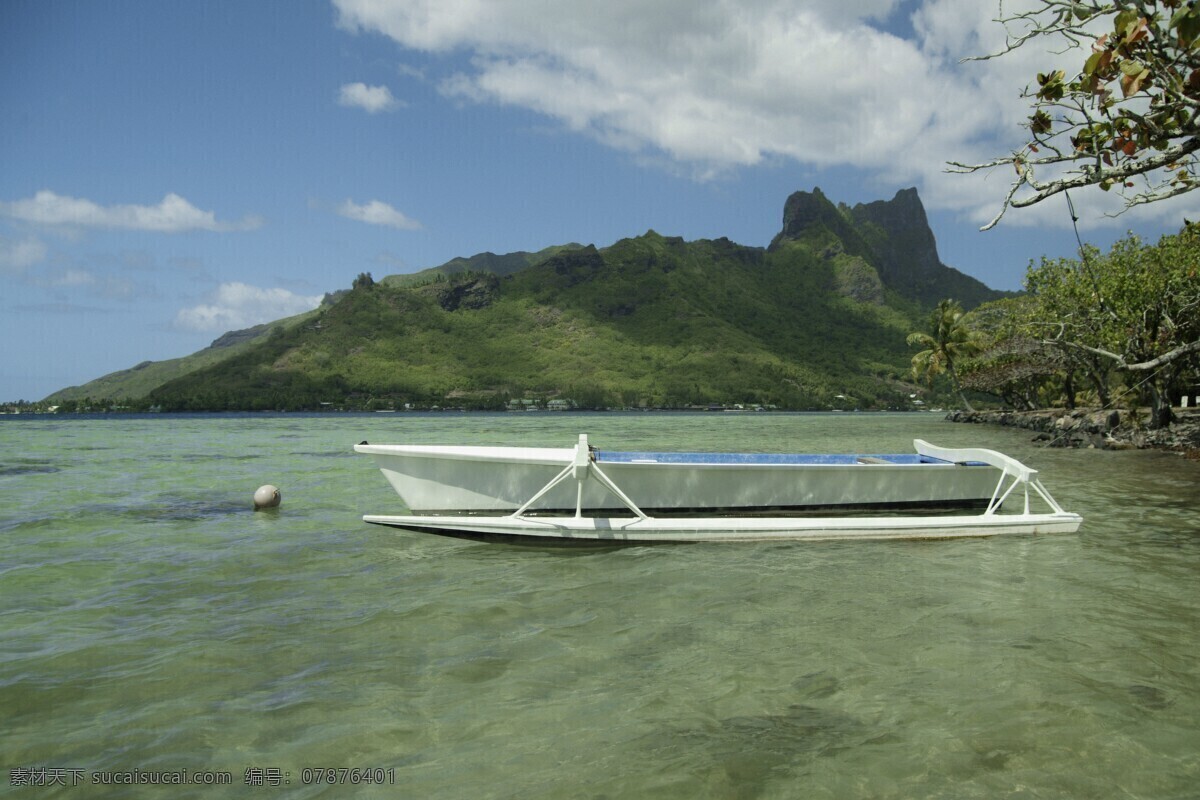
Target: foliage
(1143, 318)
(947, 342)
(1129, 118)
(1066, 293)
(652, 321)
(1009, 363)
(1126, 319)
(500, 265)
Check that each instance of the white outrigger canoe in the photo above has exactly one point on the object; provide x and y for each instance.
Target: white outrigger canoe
(575, 494)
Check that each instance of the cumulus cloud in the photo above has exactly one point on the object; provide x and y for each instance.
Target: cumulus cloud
(173, 214)
(67, 281)
(238, 305)
(377, 212)
(19, 255)
(701, 80)
(371, 99)
(717, 85)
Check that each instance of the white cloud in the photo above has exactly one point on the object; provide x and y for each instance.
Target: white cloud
(18, 256)
(173, 214)
(74, 277)
(710, 81)
(238, 305)
(719, 84)
(377, 212)
(371, 99)
(85, 282)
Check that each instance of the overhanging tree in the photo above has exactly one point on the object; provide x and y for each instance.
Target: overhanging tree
(1070, 307)
(1011, 363)
(1129, 119)
(1138, 311)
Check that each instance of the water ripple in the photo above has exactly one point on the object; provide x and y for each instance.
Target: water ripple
(149, 617)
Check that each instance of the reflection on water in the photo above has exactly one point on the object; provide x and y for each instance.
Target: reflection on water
(150, 619)
(11, 466)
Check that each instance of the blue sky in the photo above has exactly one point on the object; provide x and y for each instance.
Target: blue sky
(173, 170)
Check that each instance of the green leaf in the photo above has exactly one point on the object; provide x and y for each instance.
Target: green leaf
(1132, 81)
(1132, 67)
(1186, 24)
(1125, 20)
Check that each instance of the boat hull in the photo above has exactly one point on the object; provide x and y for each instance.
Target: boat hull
(497, 480)
(634, 530)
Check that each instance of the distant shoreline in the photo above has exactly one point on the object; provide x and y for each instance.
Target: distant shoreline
(436, 411)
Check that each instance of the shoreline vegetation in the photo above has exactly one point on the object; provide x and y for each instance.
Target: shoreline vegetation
(1095, 353)
(819, 321)
(1094, 428)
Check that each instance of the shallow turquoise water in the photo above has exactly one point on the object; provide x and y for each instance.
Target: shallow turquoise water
(149, 620)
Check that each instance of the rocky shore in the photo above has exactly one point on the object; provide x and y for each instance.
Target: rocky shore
(1105, 429)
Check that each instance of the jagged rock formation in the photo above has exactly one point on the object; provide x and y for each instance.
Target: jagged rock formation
(893, 236)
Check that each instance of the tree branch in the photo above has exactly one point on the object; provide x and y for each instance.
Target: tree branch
(1148, 51)
(1122, 364)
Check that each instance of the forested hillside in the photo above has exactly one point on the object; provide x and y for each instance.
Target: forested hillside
(817, 320)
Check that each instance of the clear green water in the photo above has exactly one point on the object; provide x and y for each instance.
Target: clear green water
(150, 620)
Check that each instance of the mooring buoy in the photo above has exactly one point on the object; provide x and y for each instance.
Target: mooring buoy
(266, 497)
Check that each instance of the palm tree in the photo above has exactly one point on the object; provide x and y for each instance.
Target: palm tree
(948, 340)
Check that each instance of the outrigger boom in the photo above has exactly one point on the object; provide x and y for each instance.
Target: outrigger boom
(636, 526)
(582, 467)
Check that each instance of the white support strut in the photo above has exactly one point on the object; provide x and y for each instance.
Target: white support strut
(1009, 467)
(581, 468)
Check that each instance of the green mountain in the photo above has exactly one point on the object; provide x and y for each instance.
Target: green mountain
(816, 320)
(501, 265)
(140, 380)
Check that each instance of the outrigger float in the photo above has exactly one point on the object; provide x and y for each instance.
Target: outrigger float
(492, 493)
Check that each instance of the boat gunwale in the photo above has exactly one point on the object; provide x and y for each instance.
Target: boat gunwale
(556, 456)
(545, 456)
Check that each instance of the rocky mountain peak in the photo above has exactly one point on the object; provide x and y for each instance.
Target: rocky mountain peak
(893, 236)
(909, 237)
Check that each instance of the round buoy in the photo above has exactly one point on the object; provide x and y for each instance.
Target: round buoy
(266, 497)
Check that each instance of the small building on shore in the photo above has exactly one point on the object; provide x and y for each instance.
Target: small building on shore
(1189, 397)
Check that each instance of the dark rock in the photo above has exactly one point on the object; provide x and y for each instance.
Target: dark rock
(892, 236)
(1100, 429)
(237, 337)
(471, 295)
(577, 265)
(906, 253)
